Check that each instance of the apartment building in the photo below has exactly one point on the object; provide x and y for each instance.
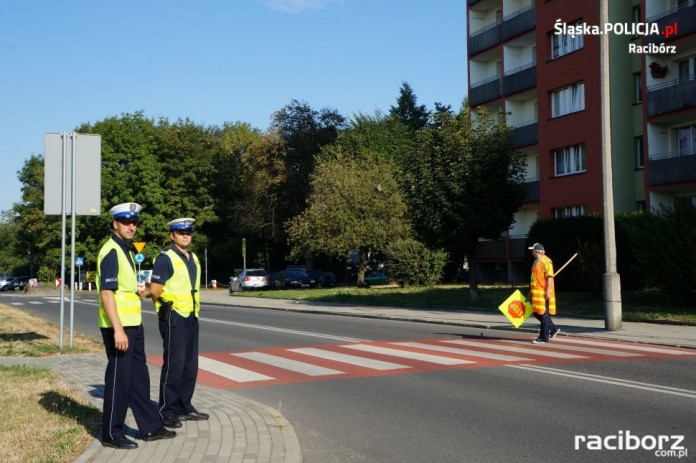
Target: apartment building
(528, 63)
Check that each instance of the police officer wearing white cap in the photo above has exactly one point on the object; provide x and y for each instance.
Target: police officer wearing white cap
(127, 379)
(174, 288)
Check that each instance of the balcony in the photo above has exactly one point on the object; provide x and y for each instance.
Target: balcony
(672, 96)
(685, 19)
(484, 39)
(525, 135)
(533, 192)
(672, 168)
(517, 80)
(519, 22)
(485, 91)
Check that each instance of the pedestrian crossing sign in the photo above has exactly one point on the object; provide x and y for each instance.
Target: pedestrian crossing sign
(516, 308)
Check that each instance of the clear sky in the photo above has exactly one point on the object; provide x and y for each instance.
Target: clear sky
(67, 62)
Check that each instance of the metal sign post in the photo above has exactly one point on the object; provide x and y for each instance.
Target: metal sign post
(60, 169)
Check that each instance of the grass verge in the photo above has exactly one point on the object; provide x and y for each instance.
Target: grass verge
(42, 419)
(643, 306)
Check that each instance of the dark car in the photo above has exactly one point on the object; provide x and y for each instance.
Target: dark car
(17, 284)
(293, 278)
(324, 279)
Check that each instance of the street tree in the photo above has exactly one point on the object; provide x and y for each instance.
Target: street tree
(407, 111)
(355, 204)
(467, 182)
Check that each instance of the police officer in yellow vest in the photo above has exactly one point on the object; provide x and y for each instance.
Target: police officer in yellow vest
(176, 279)
(127, 380)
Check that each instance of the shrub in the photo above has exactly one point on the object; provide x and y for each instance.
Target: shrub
(411, 263)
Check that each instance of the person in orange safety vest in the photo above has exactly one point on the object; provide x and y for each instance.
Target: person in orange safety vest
(542, 294)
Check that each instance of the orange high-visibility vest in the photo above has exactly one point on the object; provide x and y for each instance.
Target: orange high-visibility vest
(541, 270)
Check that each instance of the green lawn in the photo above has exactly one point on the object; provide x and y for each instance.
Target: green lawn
(636, 305)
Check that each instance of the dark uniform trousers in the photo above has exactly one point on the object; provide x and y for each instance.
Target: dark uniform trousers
(180, 368)
(127, 384)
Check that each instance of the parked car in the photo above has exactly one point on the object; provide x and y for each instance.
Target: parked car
(250, 279)
(293, 278)
(5, 282)
(378, 277)
(18, 283)
(324, 279)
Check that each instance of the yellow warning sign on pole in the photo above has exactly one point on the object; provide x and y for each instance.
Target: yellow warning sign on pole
(139, 245)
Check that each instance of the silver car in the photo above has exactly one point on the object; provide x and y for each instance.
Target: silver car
(250, 279)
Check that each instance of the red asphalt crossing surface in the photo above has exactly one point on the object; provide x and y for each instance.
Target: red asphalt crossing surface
(285, 365)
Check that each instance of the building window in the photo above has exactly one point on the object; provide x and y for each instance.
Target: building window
(638, 150)
(637, 89)
(570, 211)
(569, 160)
(568, 100)
(562, 44)
(687, 68)
(640, 206)
(636, 14)
(686, 140)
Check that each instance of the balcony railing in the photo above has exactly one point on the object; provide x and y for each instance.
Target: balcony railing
(533, 192)
(484, 39)
(525, 135)
(672, 168)
(485, 91)
(672, 96)
(519, 22)
(517, 80)
(683, 17)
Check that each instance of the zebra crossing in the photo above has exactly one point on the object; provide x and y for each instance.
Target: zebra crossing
(285, 365)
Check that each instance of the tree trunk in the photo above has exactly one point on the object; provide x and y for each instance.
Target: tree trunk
(362, 266)
(473, 274)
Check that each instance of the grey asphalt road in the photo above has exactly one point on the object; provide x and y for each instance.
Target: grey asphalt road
(481, 414)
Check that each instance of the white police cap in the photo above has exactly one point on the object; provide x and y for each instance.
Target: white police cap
(126, 211)
(185, 223)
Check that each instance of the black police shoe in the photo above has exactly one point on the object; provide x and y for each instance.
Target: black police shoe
(161, 433)
(193, 416)
(171, 422)
(120, 443)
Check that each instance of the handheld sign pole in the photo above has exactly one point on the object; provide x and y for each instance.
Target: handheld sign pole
(566, 264)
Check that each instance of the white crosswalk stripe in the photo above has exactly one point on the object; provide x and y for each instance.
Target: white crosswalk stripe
(288, 364)
(349, 359)
(232, 372)
(472, 353)
(519, 350)
(589, 350)
(440, 360)
(657, 350)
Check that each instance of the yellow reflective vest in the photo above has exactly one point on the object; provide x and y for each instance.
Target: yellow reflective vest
(542, 269)
(177, 289)
(127, 300)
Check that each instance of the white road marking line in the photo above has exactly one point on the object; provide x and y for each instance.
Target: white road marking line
(659, 350)
(589, 350)
(232, 372)
(16, 303)
(406, 354)
(519, 350)
(608, 380)
(455, 350)
(350, 359)
(288, 364)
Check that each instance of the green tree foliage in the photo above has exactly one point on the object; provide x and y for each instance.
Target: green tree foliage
(355, 204)
(411, 263)
(407, 111)
(466, 181)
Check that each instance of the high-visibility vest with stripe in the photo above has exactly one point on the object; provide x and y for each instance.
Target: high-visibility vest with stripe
(541, 270)
(177, 289)
(127, 300)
